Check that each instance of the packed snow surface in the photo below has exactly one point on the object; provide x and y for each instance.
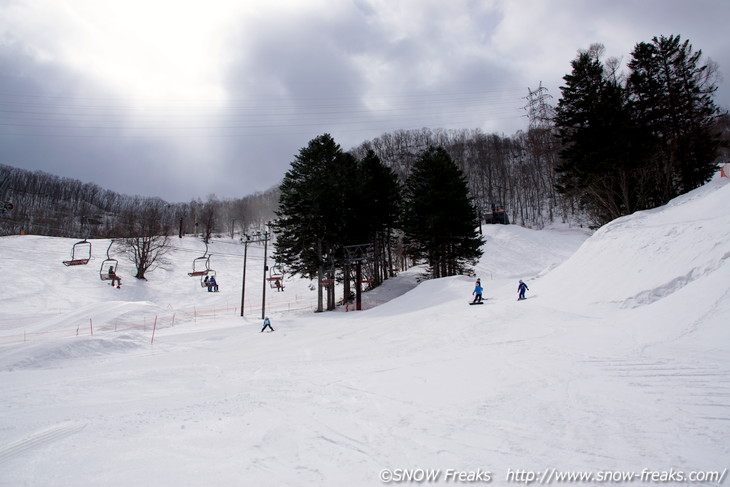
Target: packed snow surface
(618, 361)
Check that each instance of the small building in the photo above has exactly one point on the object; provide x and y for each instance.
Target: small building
(498, 215)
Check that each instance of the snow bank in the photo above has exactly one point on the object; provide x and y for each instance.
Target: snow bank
(648, 256)
(57, 354)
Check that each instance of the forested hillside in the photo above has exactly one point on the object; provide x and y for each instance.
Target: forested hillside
(45, 204)
(516, 172)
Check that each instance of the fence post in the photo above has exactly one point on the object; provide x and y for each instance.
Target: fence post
(154, 328)
(91, 327)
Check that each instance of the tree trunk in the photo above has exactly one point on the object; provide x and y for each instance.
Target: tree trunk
(320, 272)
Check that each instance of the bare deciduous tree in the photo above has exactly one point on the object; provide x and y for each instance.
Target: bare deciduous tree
(149, 241)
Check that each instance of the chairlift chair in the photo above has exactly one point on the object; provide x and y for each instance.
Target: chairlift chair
(107, 265)
(80, 253)
(201, 265)
(276, 276)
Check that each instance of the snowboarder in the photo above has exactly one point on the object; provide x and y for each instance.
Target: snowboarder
(206, 283)
(521, 289)
(478, 293)
(267, 322)
(213, 284)
(113, 276)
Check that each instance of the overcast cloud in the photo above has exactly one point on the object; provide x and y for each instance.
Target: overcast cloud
(182, 99)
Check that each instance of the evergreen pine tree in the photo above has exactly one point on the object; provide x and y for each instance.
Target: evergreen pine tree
(325, 204)
(672, 92)
(606, 154)
(439, 219)
(313, 208)
(380, 195)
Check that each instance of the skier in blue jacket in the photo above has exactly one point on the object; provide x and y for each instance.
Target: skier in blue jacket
(478, 292)
(521, 289)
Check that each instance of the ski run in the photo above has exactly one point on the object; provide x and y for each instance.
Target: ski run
(617, 363)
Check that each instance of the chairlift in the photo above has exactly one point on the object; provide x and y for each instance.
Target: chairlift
(201, 265)
(276, 276)
(108, 269)
(80, 253)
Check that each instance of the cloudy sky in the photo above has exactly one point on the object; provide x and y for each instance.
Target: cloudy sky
(183, 99)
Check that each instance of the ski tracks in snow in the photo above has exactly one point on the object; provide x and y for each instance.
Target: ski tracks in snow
(38, 440)
(680, 400)
(705, 389)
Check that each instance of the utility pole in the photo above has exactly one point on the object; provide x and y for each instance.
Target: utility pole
(243, 284)
(266, 268)
(257, 237)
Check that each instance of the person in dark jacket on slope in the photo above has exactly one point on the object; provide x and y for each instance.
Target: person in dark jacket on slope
(521, 289)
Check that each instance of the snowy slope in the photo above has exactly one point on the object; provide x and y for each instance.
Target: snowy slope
(43, 287)
(650, 255)
(579, 377)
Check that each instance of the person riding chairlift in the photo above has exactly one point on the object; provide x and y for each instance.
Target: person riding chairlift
(114, 277)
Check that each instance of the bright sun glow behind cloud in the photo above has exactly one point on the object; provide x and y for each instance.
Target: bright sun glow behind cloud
(148, 51)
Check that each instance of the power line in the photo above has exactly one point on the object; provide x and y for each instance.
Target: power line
(329, 98)
(72, 120)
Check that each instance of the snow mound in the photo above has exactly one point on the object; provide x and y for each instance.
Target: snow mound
(648, 256)
(57, 353)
